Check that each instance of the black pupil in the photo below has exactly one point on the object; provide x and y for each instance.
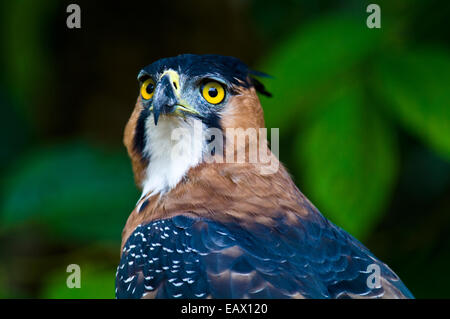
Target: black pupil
(150, 88)
(212, 92)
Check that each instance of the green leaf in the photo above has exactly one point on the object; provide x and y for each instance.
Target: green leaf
(416, 86)
(75, 190)
(348, 161)
(310, 63)
(95, 283)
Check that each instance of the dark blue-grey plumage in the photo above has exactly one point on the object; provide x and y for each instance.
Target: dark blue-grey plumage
(184, 257)
(231, 69)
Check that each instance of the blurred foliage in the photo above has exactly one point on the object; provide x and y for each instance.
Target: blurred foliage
(96, 283)
(24, 25)
(364, 120)
(55, 180)
(415, 86)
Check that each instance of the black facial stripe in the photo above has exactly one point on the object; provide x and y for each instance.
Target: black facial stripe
(139, 136)
(212, 120)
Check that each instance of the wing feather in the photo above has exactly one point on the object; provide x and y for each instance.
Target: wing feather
(184, 257)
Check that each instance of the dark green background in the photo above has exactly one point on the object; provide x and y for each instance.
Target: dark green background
(364, 120)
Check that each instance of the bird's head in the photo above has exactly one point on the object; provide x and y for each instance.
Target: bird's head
(211, 91)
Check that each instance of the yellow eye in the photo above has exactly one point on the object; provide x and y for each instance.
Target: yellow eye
(213, 92)
(147, 89)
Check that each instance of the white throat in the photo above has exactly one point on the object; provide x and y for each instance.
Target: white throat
(173, 147)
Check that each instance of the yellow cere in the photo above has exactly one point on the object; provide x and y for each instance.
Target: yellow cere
(175, 79)
(147, 89)
(213, 92)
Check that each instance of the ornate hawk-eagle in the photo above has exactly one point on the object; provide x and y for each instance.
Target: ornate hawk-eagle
(212, 223)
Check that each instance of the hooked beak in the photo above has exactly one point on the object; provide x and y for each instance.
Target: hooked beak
(166, 99)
